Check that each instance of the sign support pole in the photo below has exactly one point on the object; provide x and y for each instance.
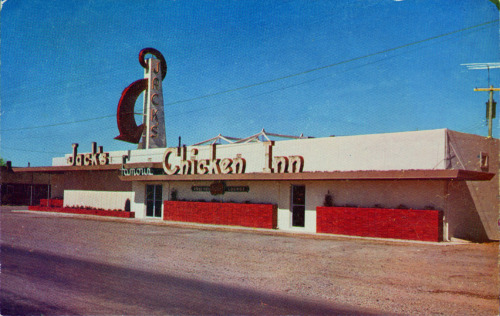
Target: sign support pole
(154, 119)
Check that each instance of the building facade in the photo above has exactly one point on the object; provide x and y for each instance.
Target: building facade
(388, 182)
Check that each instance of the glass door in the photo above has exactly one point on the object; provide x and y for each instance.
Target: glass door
(153, 200)
(298, 205)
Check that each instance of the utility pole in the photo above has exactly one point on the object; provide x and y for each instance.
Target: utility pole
(489, 112)
(491, 103)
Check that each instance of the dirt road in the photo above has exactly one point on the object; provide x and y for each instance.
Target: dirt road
(152, 268)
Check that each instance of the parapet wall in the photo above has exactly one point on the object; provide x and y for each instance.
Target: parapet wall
(108, 200)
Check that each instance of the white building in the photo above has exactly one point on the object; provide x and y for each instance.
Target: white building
(409, 173)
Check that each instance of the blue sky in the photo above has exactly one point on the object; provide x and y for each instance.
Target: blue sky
(69, 61)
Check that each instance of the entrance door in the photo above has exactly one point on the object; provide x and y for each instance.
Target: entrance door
(153, 200)
(298, 205)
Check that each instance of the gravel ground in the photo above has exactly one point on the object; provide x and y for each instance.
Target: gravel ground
(377, 276)
(388, 277)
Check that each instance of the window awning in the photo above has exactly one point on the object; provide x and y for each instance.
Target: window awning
(330, 175)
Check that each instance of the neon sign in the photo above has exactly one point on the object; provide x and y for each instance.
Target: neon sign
(95, 158)
(236, 165)
(129, 131)
(202, 166)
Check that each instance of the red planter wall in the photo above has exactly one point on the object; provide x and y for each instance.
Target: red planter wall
(235, 214)
(425, 225)
(51, 202)
(82, 211)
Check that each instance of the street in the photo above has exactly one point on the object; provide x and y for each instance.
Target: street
(54, 264)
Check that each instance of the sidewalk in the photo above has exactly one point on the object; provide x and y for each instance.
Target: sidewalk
(224, 228)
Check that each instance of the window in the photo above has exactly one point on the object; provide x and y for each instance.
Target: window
(153, 200)
(298, 205)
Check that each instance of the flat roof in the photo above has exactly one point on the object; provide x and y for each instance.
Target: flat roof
(62, 169)
(332, 175)
(434, 174)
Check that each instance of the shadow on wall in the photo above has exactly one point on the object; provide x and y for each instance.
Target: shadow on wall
(463, 218)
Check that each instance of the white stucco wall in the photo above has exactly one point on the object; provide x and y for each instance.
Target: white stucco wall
(108, 200)
(138, 205)
(394, 151)
(435, 149)
(474, 203)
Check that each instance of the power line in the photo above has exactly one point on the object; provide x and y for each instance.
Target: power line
(333, 65)
(291, 86)
(212, 106)
(34, 151)
(279, 78)
(57, 124)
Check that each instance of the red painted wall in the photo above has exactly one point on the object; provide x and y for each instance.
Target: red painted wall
(51, 202)
(235, 214)
(82, 211)
(425, 225)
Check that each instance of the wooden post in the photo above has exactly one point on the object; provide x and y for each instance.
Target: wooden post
(490, 107)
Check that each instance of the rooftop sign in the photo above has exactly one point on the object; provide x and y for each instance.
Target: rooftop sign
(152, 130)
(95, 158)
(175, 161)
